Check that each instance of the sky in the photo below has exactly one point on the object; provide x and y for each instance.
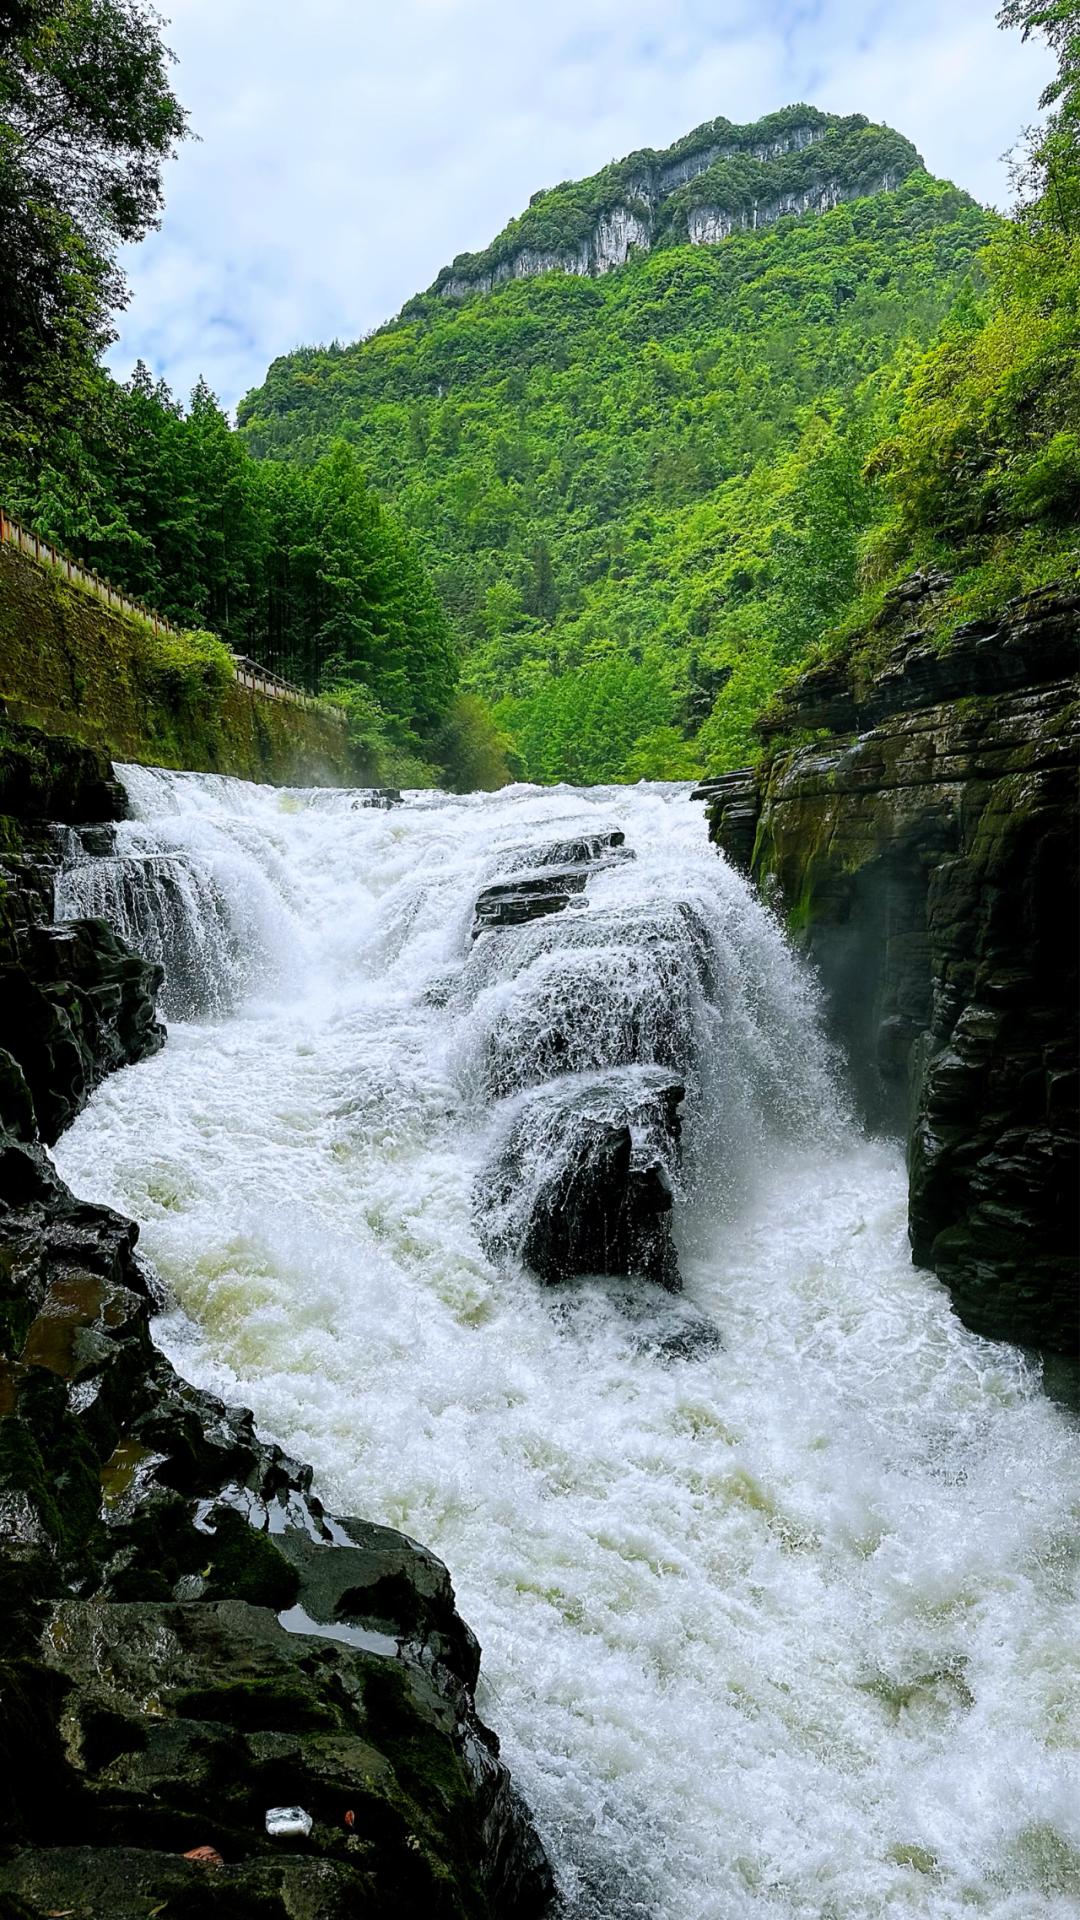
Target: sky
(347, 149)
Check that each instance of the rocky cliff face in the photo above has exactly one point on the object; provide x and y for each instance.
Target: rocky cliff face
(719, 180)
(923, 848)
(215, 1696)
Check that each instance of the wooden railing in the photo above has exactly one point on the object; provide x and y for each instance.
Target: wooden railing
(261, 680)
(12, 535)
(248, 672)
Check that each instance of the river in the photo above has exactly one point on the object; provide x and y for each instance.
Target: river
(775, 1579)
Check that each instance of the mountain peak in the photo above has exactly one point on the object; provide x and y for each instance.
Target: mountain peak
(715, 181)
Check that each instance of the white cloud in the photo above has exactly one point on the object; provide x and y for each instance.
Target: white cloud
(348, 151)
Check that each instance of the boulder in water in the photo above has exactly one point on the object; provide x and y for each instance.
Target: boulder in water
(585, 1180)
(545, 877)
(381, 797)
(527, 896)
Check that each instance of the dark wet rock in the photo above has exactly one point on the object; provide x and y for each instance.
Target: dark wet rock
(582, 849)
(584, 1181)
(600, 988)
(591, 1006)
(927, 860)
(689, 1335)
(98, 843)
(546, 877)
(387, 1583)
(666, 1329)
(16, 1101)
(583, 1018)
(380, 797)
(526, 896)
(75, 1004)
(51, 777)
(127, 1883)
(189, 1638)
(734, 808)
(183, 1723)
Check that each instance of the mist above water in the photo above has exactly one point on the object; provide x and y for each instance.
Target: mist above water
(781, 1627)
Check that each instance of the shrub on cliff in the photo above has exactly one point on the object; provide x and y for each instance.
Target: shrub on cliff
(982, 471)
(187, 674)
(475, 754)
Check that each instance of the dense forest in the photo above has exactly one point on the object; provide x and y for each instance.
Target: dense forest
(304, 569)
(574, 528)
(641, 497)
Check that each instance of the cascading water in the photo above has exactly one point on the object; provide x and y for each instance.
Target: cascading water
(784, 1626)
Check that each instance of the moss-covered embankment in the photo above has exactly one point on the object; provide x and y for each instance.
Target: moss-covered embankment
(917, 827)
(74, 666)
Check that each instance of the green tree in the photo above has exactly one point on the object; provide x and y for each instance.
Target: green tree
(87, 118)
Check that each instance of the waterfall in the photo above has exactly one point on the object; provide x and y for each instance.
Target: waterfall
(775, 1579)
(186, 892)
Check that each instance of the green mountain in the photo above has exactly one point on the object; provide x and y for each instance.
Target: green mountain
(639, 488)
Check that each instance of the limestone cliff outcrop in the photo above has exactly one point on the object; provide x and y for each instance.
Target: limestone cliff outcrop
(215, 1698)
(921, 842)
(719, 180)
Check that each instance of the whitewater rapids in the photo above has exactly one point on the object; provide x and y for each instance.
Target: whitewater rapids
(784, 1628)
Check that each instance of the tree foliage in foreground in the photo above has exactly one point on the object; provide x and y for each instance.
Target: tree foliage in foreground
(87, 119)
(304, 570)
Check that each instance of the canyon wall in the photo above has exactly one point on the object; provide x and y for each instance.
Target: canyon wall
(917, 827)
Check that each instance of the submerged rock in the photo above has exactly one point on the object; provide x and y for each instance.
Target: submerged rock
(599, 988)
(583, 1010)
(380, 797)
(585, 1178)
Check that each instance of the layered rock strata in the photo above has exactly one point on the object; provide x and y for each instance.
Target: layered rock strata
(922, 845)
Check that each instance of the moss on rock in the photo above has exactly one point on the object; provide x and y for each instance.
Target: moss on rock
(73, 666)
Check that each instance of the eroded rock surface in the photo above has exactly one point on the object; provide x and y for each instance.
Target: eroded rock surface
(189, 1640)
(527, 896)
(75, 1004)
(924, 852)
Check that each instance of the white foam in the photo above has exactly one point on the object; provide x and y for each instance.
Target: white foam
(786, 1629)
